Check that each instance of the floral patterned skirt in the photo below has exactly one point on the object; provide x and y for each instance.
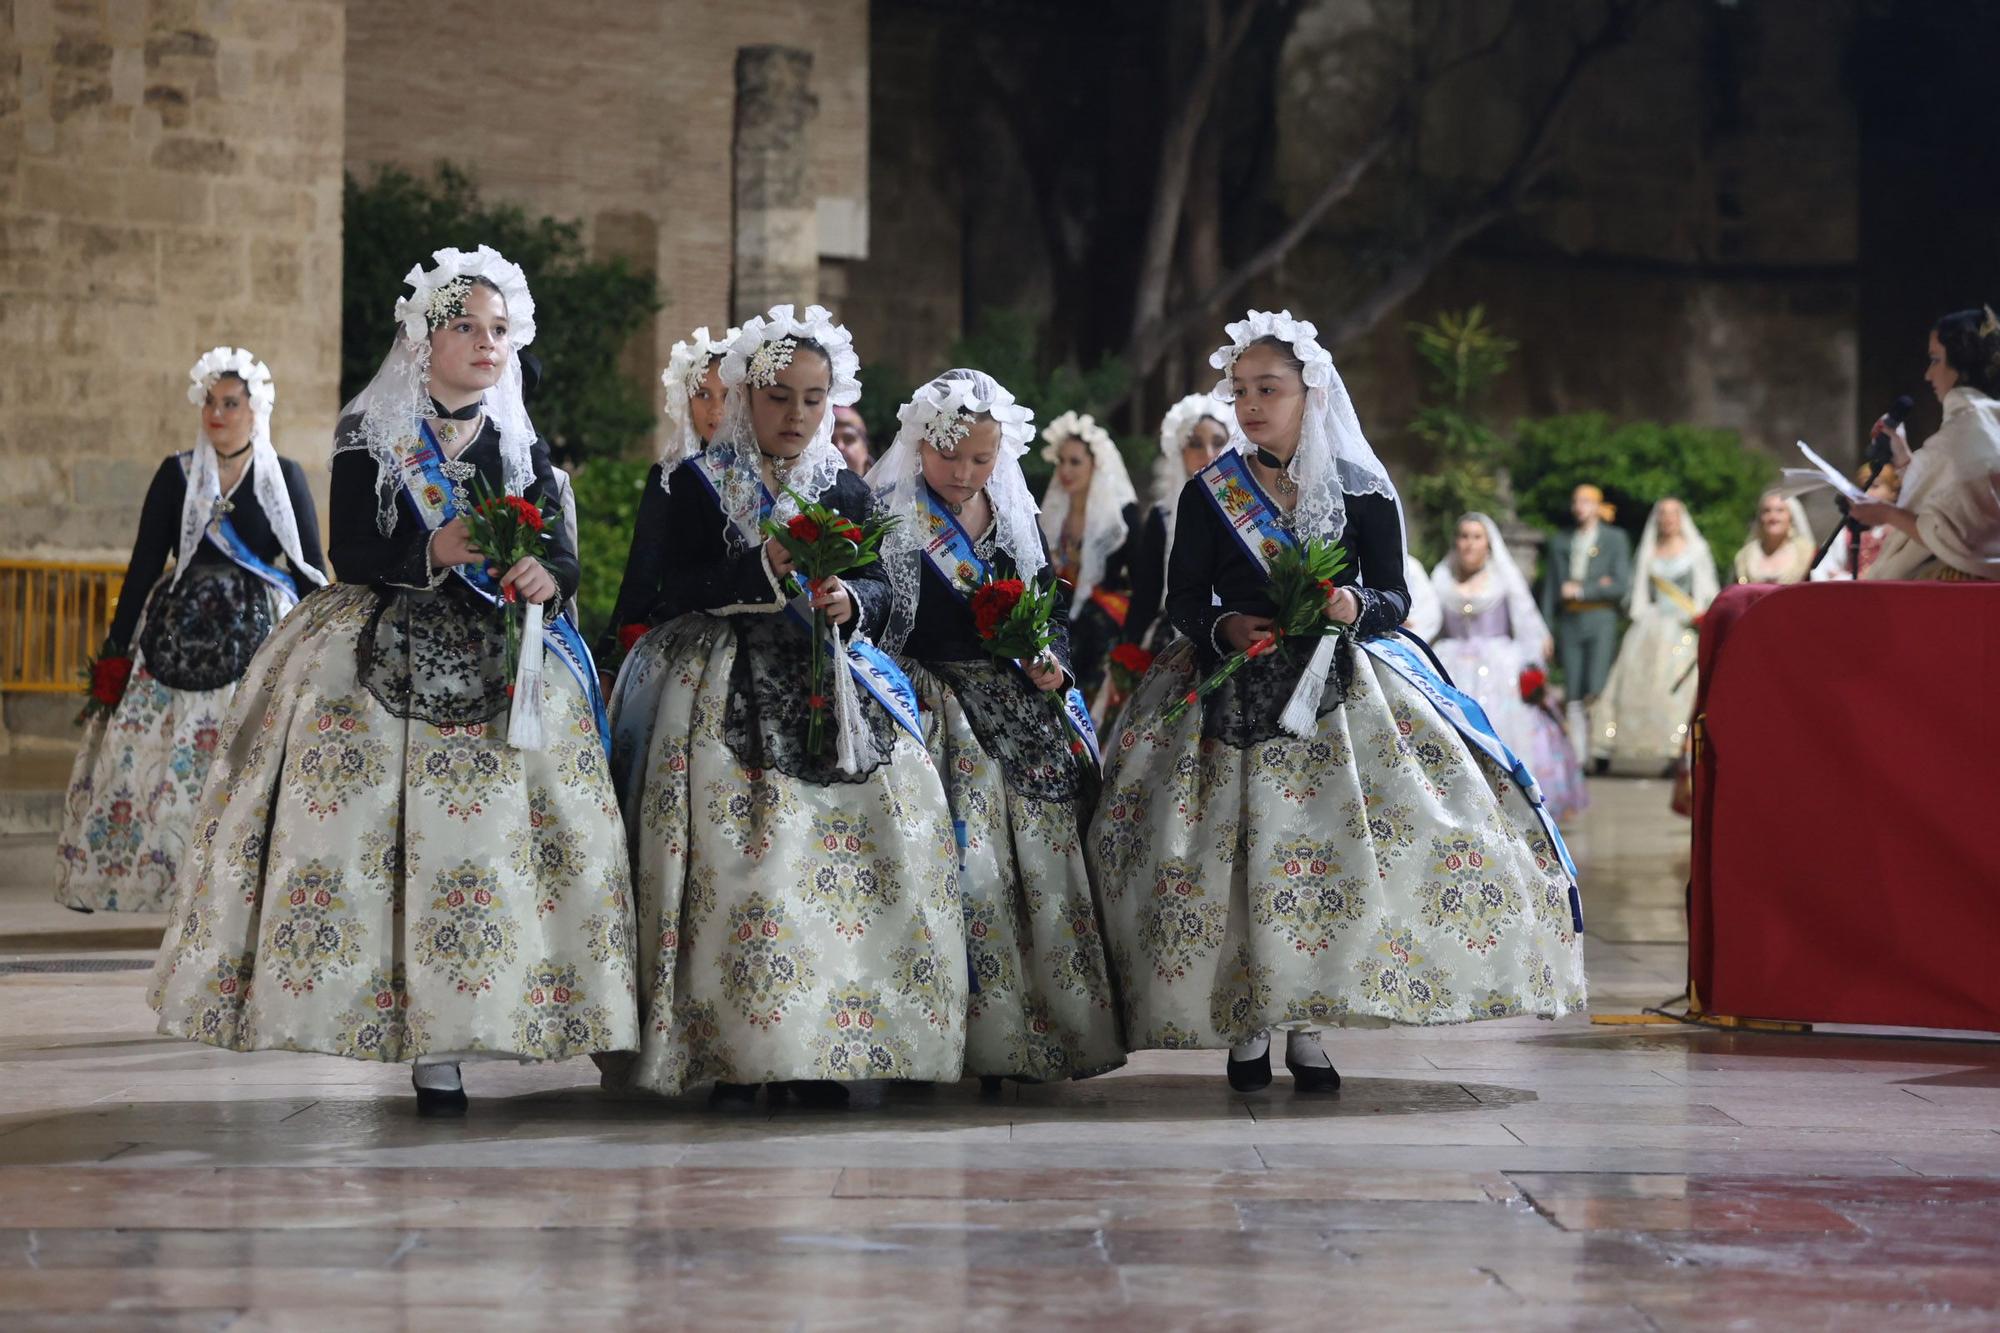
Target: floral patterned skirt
(132, 796)
(787, 929)
(1381, 871)
(380, 887)
(1041, 1006)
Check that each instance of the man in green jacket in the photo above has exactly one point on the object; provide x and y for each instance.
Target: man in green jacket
(1585, 577)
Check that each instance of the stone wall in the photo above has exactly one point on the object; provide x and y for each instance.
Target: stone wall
(169, 180)
(618, 113)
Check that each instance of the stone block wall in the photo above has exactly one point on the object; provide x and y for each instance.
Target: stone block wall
(618, 113)
(169, 180)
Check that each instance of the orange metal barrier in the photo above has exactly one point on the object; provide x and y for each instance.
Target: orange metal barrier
(53, 616)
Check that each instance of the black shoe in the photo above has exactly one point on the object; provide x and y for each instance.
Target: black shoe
(1313, 1078)
(1251, 1075)
(989, 1085)
(441, 1101)
(732, 1097)
(819, 1094)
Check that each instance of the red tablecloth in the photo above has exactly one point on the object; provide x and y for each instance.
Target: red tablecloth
(1846, 864)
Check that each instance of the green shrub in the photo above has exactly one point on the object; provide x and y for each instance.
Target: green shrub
(1637, 464)
(1464, 356)
(607, 509)
(586, 310)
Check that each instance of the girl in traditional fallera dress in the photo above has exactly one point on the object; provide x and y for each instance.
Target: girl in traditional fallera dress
(1090, 517)
(693, 381)
(1641, 720)
(1015, 769)
(379, 871)
(239, 524)
(1192, 434)
(1779, 548)
(1490, 635)
(1393, 863)
(798, 906)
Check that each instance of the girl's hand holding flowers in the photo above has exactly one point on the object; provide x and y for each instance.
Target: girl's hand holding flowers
(1046, 674)
(1342, 606)
(830, 595)
(530, 580)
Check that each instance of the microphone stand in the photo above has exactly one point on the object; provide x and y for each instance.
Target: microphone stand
(1878, 458)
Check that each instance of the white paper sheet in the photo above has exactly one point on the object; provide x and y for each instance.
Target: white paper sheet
(1834, 477)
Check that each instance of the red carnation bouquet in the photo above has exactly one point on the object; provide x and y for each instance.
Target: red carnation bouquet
(1016, 622)
(1129, 665)
(824, 545)
(108, 675)
(506, 528)
(1534, 687)
(1302, 578)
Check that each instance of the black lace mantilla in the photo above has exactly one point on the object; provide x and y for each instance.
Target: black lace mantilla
(770, 710)
(436, 657)
(1016, 726)
(1246, 709)
(202, 632)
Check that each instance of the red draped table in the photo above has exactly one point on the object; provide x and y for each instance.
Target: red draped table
(1846, 860)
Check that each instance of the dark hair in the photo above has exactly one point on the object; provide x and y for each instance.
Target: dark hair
(1284, 349)
(1971, 349)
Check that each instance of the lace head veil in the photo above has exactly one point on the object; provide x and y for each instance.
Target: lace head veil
(1333, 458)
(1639, 601)
(937, 417)
(390, 407)
(204, 477)
(753, 359)
(1170, 474)
(687, 367)
(1526, 626)
(1104, 529)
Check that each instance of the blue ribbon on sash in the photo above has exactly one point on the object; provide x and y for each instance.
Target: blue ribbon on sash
(428, 493)
(873, 670)
(955, 556)
(1255, 523)
(223, 536)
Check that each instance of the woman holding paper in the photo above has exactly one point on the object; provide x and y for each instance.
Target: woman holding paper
(1946, 523)
(387, 865)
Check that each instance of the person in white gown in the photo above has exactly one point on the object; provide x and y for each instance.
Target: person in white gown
(1641, 719)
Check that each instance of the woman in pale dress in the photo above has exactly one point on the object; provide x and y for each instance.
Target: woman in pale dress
(1641, 719)
(1090, 518)
(1780, 546)
(1490, 633)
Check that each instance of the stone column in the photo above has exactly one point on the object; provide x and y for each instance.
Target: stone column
(776, 252)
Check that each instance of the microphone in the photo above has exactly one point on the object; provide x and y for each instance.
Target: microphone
(1879, 447)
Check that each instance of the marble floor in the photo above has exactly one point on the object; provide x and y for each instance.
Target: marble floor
(1518, 1174)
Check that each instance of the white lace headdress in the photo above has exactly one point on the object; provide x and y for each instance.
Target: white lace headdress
(1333, 456)
(1639, 601)
(687, 367)
(938, 416)
(399, 395)
(1170, 474)
(1104, 528)
(753, 360)
(1504, 580)
(204, 480)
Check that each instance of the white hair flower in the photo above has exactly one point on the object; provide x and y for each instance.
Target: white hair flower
(437, 294)
(1298, 334)
(747, 361)
(237, 361)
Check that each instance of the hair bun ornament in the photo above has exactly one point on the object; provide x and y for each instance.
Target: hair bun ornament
(237, 361)
(1990, 326)
(434, 292)
(1301, 335)
(940, 413)
(781, 322)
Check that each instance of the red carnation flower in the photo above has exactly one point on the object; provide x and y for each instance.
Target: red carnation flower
(993, 603)
(108, 678)
(803, 528)
(630, 635)
(1533, 682)
(530, 516)
(1133, 658)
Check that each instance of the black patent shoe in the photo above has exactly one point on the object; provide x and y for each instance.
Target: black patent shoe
(732, 1097)
(819, 1094)
(1313, 1078)
(1251, 1075)
(441, 1102)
